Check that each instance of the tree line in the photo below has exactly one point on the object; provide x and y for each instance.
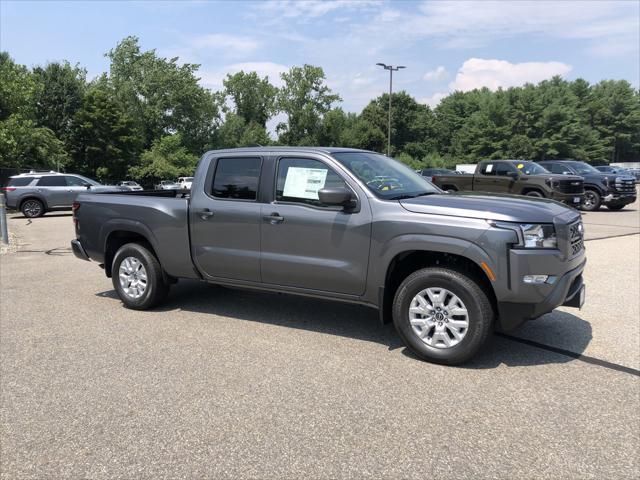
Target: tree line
(148, 118)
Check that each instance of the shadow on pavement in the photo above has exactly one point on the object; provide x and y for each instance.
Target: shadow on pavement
(18, 216)
(351, 321)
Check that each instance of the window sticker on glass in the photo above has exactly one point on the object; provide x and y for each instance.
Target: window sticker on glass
(489, 168)
(304, 182)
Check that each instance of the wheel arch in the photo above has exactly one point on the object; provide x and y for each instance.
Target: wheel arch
(116, 238)
(406, 262)
(527, 190)
(32, 196)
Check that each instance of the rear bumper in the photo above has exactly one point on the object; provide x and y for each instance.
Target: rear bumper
(568, 291)
(78, 250)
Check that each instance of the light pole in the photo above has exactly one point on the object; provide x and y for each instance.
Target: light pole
(391, 69)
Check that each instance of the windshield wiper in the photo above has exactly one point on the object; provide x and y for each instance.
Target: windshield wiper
(405, 197)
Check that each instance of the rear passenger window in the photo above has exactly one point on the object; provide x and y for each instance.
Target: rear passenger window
(52, 181)
(299, 180)
(19, 181)
(236, 178)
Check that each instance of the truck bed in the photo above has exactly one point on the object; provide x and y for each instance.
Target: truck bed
(162, 216)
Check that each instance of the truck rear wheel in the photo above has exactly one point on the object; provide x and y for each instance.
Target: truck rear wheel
(137, 277)
(443, 316)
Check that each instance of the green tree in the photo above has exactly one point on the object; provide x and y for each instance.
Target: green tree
(58, 96)
(104, 140)
(162, 96)
(236, 132)
(167, 158)
(16, 88)
(412, 124)
(25, 145)
(305, 99)
(253, 97)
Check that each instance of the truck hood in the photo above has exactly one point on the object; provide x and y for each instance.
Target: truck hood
(506, 208)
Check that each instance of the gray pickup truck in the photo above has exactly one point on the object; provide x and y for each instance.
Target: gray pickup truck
(346, 225)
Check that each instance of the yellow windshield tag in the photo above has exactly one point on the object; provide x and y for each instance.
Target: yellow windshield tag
(520, 166)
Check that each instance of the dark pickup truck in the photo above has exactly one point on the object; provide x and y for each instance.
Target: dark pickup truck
(346, 225)
(615, 191)
(517, 177)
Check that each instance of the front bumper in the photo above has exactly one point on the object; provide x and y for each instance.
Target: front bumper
(614, 198)
(571, 199)
(78, 250)
(568, 291)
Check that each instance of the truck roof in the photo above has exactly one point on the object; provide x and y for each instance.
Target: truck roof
(276, 148)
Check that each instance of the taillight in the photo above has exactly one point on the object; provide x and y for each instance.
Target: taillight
(75, 206)
(8, 189)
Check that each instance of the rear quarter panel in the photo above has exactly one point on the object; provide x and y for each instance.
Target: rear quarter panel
(162, 221)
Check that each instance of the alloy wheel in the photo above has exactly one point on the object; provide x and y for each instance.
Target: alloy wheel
(133, 277)
(438, 317)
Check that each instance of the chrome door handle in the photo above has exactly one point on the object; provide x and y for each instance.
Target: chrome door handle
(206, 214)
(274, 218)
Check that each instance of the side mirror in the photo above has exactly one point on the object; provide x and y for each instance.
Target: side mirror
(88, 186)
(334, 196)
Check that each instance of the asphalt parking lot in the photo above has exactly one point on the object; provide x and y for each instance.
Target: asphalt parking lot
(221, 383)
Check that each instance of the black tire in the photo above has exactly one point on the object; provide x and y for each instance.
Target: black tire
(32, 208)
(591, 201)
(156, 287)
(615, 208)
(534, 193)
(480, 311)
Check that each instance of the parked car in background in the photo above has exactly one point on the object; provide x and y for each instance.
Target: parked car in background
(185, 182)
(609, 189)
(131, 185)
(635, 173)
(37, 193)
(433, 172)
(167, 185)
(517, 177)
(346, 225)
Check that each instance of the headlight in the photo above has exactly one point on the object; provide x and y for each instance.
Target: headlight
(538, 235)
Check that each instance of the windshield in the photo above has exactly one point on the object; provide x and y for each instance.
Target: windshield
(386, 178)
(531, 168)
(581, 167)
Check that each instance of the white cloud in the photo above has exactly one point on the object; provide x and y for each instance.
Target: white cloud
(221, 41)
(436, 75)
(479, 72)
(308, 9)
(434, 99)
(213, 79)
(493, 74)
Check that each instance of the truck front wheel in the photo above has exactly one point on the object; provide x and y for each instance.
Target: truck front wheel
(592, 201)
(137, 277)
(442, 315)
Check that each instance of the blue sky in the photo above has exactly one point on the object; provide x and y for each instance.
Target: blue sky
(445, 45)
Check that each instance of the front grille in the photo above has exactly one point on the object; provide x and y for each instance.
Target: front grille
(625, 186)
(571, 186)
(576, 237)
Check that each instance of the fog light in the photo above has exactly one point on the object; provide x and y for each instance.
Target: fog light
(535, 279)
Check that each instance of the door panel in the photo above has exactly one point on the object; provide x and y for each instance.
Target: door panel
(317, 249)
(308, 245)
(225, 222)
